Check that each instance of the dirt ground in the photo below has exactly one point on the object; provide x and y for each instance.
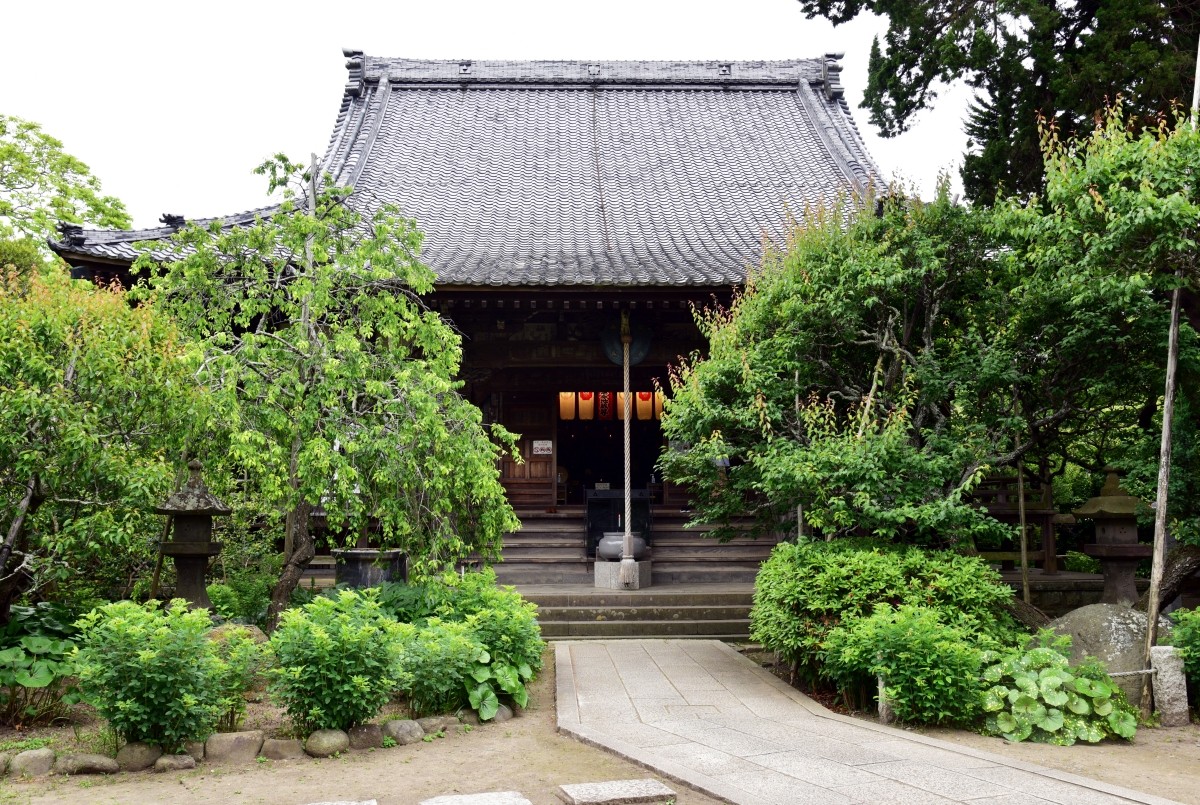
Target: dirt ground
(526, 754)
(1161, 761)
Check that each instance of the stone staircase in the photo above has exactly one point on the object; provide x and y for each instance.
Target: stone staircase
(716, 611)
(551, 548)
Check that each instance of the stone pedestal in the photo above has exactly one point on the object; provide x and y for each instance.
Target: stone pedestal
(608, 576)
(1170, 687)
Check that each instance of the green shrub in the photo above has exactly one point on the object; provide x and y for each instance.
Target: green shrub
(1186, 639)
(1034, 694)
(337, 661)
(153, 673)
(806, 589)
(242, 663)
(439, 662)
(497, 618)
(930, 669)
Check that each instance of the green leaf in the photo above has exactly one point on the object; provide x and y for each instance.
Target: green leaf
(1123, 724)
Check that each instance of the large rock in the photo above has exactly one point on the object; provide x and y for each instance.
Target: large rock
(174, 763)
(138, 756)
(5, 759)
(283, 749)
(32, 763)
(365, 736)
(403, 731)
(85, 764)
(1113, 633)
(233, 747)
(327, 743)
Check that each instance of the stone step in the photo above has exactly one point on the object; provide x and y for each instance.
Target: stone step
(697, 573)
(556, 572)
(649, 597)
(739, 627)
(541, 553)
(669, 612)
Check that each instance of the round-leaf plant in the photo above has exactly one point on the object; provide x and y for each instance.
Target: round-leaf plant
(1036, 695)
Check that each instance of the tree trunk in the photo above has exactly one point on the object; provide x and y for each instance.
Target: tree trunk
(1027, 614)
(1181, 563)
(303, 550)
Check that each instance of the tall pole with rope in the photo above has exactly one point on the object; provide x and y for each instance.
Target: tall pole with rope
(1164, 457)
(628, 573)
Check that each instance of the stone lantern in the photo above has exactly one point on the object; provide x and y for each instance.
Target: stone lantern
(192, 509)
(1116, 544)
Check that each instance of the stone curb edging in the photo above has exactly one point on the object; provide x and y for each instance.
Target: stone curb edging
(240, 748)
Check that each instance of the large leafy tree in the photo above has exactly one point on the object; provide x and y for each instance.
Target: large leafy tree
(871, 372)
(1120, 222)
(96, 397)
(42, 185)
(1061, 59)
(339, 385)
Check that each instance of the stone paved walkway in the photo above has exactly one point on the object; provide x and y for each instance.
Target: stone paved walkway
(699, 712)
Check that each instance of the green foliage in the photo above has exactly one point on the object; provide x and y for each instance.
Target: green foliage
(1115, 232)
(807, 589)
(1077, 562)
(1059, 59)
(96, 403)
(501, 619)
(153, 673)
(35, 680)
(337, 661)
(243, 662)
(1185, 636)
(439, 662)
(1034, 694)
(36, 672)
(930, 667)
(339, 386)
(244, 572)
(41, 184)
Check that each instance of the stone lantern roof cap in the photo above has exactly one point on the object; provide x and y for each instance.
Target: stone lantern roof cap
(194, 498)
(1113, 500)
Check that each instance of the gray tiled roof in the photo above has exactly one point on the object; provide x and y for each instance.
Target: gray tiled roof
(590, 173)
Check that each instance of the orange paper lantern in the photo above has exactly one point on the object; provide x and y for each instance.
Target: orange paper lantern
(587, 404)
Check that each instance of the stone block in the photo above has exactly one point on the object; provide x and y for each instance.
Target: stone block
(326, 743)
(403, 731)
(174, 763)
(85, 764)
(233, 747)
(615, 792)
(195, 749)
(493, 798)
(32, 763)
(137, 756)
(608, 576)
(1170, 687)
(282, 749)
(365, 736)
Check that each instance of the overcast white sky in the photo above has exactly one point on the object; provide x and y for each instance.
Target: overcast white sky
(173, 104)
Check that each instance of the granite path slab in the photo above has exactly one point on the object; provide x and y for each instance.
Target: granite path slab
(699, 712)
